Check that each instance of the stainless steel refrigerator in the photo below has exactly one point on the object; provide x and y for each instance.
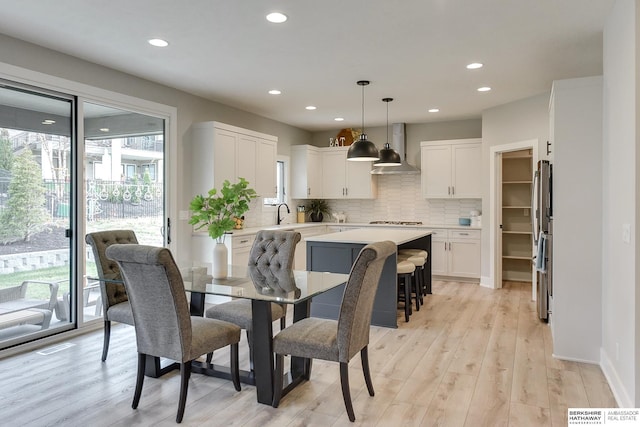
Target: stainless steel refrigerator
(541, 203)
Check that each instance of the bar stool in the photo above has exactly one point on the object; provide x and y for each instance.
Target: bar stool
(405, 271)
(418, 276)
(418, 252)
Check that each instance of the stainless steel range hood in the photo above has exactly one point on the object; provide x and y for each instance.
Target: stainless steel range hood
(398, 143)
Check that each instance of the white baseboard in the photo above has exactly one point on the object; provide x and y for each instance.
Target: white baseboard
(575, 359)
(487, 282)
(617, 388)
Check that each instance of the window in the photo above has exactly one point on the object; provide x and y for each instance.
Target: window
(149, 168)
(280, 183)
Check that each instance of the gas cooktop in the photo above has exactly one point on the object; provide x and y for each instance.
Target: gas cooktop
(397, 222)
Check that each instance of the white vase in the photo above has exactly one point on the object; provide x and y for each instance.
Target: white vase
(220, 261)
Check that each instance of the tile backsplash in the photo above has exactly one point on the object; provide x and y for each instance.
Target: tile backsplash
(399, 199)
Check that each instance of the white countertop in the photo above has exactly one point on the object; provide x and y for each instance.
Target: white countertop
(296, 226)
(370, 235)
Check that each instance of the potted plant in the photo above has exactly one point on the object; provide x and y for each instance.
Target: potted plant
(317, 208)
(218, 212)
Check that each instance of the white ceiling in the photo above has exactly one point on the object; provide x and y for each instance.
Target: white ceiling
(414, 51)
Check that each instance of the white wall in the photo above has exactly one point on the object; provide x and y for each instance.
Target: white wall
(514, 122)
(620, 300)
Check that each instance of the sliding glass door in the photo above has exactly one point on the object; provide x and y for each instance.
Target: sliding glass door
(124, 186)
(37, 139)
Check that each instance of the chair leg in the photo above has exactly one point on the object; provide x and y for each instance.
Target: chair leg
(423, 276)
(209, 358)
(346, 394)
(107, 335)
(283, 319)
(307, 369)
(250, 342)
(235, 369)
(185, 373)
(418, 282)
(364, 357)
(142, 361)
(277, 381)
(407, 296)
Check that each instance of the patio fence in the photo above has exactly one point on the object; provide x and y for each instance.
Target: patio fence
(105, 199)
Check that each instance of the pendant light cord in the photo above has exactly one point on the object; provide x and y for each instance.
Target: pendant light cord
(362, 109)
(387, 101)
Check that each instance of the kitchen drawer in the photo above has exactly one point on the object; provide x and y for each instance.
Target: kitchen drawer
(438, 233)
(464, 234)
(242, 241)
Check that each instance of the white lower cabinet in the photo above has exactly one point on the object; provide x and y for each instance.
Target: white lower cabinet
(455, 253)
(239, 249)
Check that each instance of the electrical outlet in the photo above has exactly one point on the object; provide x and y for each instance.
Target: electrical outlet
(626, 233)
(526, 212)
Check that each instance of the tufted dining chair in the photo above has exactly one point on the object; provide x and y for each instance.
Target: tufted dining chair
(271, 254)
(114, 298)
(338, 340)
(163, 324)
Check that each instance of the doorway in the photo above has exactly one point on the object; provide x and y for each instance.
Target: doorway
(516, 212)
(124, 185)
(510, 242)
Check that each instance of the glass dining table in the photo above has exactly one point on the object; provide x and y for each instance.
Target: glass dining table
(296, 287)
(262, 288)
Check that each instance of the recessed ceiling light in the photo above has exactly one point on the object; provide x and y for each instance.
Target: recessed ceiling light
(484, 89)
(275, 92)
(310, 107)
(104, 129)
(48, 122)
(276, 17)
(158, 42)
(338, 119)
(434, 110)
(474, 66)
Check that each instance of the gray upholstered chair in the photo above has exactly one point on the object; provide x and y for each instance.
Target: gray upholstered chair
(164, 326)
(338, 340)
(271, 254)
(114, 298)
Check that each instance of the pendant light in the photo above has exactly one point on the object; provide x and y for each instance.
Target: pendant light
(363, 150)
(388, 156)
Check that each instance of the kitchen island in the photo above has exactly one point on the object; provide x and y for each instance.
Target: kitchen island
(336, 253)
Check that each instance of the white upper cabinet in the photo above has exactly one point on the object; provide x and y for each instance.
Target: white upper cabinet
(325, 173)
(334, 173)
(220, 152)
(451, 169)
(306, 172)
(343, 179)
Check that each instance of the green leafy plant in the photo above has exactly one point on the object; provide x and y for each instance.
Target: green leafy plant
(217, 211)
(317, 208)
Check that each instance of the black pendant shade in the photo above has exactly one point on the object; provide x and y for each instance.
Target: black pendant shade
(363, 150)
(388, 156)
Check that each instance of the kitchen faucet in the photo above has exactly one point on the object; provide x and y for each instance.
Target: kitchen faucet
(278, 215)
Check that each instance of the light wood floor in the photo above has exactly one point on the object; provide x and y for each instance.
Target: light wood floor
(471, 357)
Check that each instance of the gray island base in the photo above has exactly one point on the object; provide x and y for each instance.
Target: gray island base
(336, 253)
